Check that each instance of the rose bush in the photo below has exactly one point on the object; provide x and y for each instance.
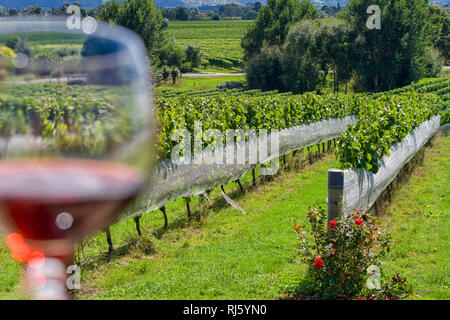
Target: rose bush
(338, 258)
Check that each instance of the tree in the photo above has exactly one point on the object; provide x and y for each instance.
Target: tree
(165, 24)
(273, 23)
(32, 10)
(389, 57)
(175, 73)
(193, 55)
(182, 14)
(334, 44)
(299, 62)
(440, 23)
(169, 13)
(171, 55)
(13, 12)
(111, 11)
(165, 72)
(142, 17)
(264, 69)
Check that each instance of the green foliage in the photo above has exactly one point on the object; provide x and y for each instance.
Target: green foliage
(264, 69)
(334, 48)
(243, 111)
(381, 124)
(389, 57)
(193, 55)
(182, 14)
(273, 23)
(299, 63)
(440, 23)
(431, 63)
(172, 55)
(142, 17)
(220, 62)
(175, 73)
(338, 259)
(70, 119)
(110, 11)
(217, 39)
(445, 117)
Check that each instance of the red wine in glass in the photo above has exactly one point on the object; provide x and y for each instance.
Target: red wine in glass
(50, 204)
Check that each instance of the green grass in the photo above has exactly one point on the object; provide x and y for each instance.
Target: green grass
(46, 43)
(218, 39)
(200, 83)
(229, 255)
(419, 220)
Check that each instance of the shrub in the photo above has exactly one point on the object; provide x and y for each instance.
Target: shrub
(193, 55)
(264, 70)
(228, 85)
(175, 73)
(186, 67)
(219, 62)
(165, 72)
(338, 259)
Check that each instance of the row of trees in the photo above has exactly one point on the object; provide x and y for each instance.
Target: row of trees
(288, 49)
(37, 10)
(247, 12)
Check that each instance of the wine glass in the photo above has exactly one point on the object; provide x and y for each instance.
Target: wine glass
(77, 133)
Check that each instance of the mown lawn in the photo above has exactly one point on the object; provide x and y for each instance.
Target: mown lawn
(419, 218)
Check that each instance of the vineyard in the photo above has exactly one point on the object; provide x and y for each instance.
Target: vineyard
(220, 41)
(383, 120)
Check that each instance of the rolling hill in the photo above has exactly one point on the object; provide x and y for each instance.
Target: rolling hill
(48, 4)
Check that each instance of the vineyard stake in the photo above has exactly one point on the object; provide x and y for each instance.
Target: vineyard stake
(240, 186)
(110, 243)
(166, 223)
(138, 225)
(188, 209)
(335, 193)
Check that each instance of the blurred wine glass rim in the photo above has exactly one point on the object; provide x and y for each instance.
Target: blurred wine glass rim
(56, 24)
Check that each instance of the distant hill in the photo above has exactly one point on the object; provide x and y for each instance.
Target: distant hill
(48, 4)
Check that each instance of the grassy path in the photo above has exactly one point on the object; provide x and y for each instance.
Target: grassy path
(231, 256)
(419, 218)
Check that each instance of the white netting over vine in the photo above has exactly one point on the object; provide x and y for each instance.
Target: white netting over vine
(362, 188)
(172, 181)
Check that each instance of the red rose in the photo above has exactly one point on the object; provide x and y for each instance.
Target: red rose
(318, 263)
(332, 224)
(358, 221)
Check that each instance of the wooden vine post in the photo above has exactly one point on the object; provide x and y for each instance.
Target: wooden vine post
(240, 185)
(138, 225)
(110, 243)
(188, 207)
(166, 222)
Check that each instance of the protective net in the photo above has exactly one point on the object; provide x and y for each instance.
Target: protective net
(362, 188)
(173, 180)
